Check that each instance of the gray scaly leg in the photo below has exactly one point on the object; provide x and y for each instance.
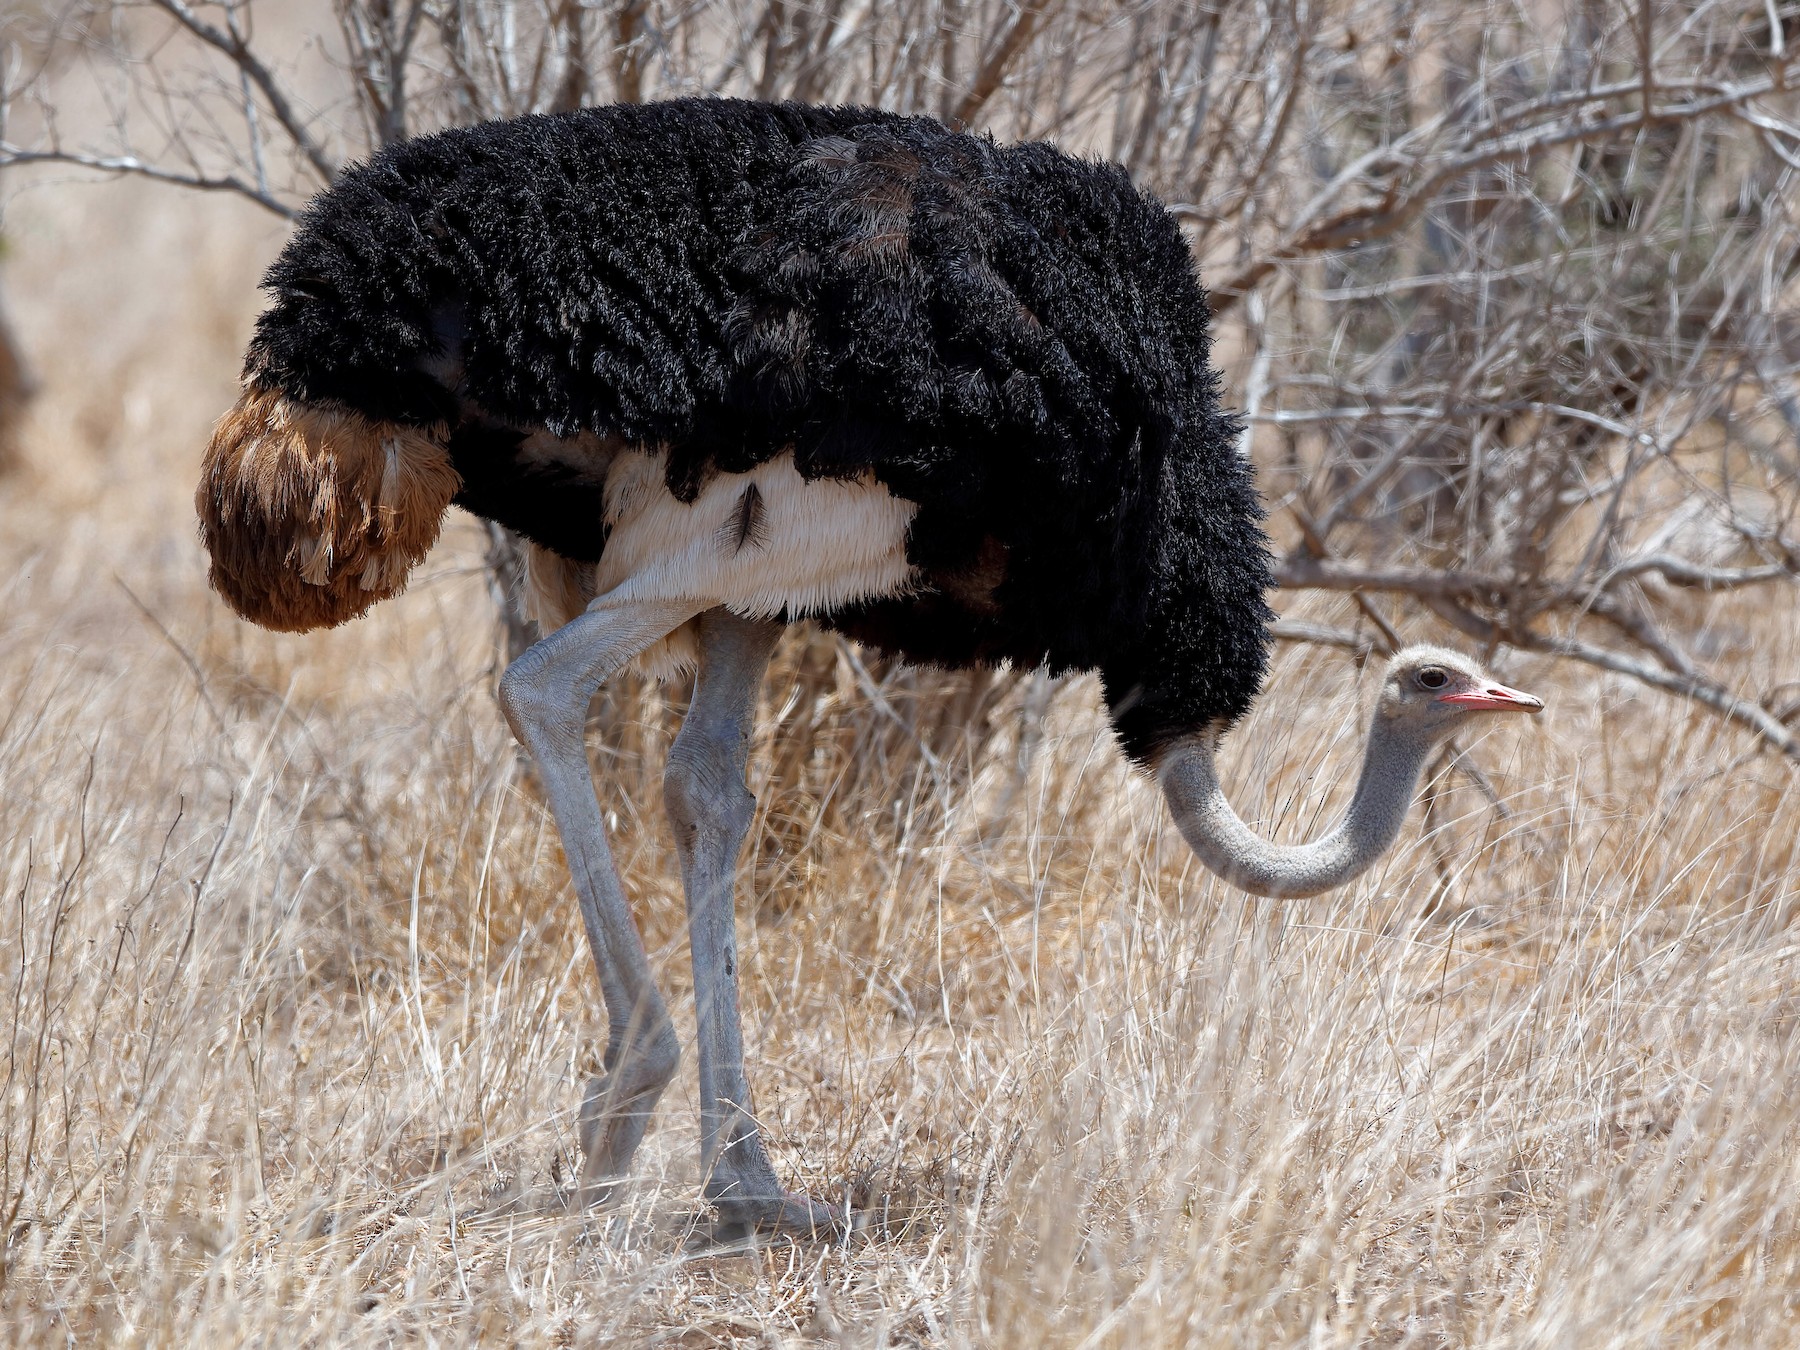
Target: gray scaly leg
(710, 809)
(545, 695)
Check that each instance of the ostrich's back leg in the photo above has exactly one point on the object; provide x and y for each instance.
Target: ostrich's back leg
(710, 809)
(545, 696)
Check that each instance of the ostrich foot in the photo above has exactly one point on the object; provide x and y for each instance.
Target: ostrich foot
(745, 1210)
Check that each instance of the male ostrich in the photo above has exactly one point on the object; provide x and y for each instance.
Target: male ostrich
(727, 365)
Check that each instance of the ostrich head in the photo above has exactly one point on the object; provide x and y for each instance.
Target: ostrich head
(1427, 694)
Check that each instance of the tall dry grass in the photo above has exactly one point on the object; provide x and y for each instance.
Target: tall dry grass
(297, 1013)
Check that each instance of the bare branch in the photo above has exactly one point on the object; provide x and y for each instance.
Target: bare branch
(1323, 635)
(1690, 575)
(1313, 574)
(1706, 692)
(628, 50)
(1400, 203)
(127, 164)
(259, 75)
(999, 58)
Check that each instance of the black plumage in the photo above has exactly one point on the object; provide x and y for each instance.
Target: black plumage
(1010, 337)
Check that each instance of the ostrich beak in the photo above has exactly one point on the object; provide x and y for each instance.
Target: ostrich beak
(1492, 697)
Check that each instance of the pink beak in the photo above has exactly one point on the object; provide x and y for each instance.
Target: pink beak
(1496, 698)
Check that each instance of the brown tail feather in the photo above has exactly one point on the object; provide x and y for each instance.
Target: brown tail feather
(312, 514)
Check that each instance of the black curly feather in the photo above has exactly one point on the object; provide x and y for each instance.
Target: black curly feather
(1011, 338)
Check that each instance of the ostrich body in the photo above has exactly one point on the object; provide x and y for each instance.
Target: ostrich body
(728, 365)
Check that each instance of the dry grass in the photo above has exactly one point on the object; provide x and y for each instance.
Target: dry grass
(297, 1012)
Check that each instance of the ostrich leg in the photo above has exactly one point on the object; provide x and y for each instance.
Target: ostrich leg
(710, 809)
(545, 695)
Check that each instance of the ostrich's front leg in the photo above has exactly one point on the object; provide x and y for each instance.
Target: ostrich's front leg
(545, 695)
(710, 809)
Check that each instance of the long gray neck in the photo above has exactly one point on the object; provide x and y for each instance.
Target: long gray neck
(1390, 772)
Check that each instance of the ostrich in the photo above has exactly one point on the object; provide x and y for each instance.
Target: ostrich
(727, 365)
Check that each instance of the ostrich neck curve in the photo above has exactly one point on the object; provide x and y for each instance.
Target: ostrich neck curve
(1390, 771)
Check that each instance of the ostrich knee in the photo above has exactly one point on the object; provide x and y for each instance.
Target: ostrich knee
(533, 705)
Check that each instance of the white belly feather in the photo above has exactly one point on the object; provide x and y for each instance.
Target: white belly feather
(760, 544)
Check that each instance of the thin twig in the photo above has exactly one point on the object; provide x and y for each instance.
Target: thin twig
(246, 60)
(11, 155)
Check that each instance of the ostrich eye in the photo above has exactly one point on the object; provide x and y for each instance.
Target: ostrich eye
(1433, 678)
